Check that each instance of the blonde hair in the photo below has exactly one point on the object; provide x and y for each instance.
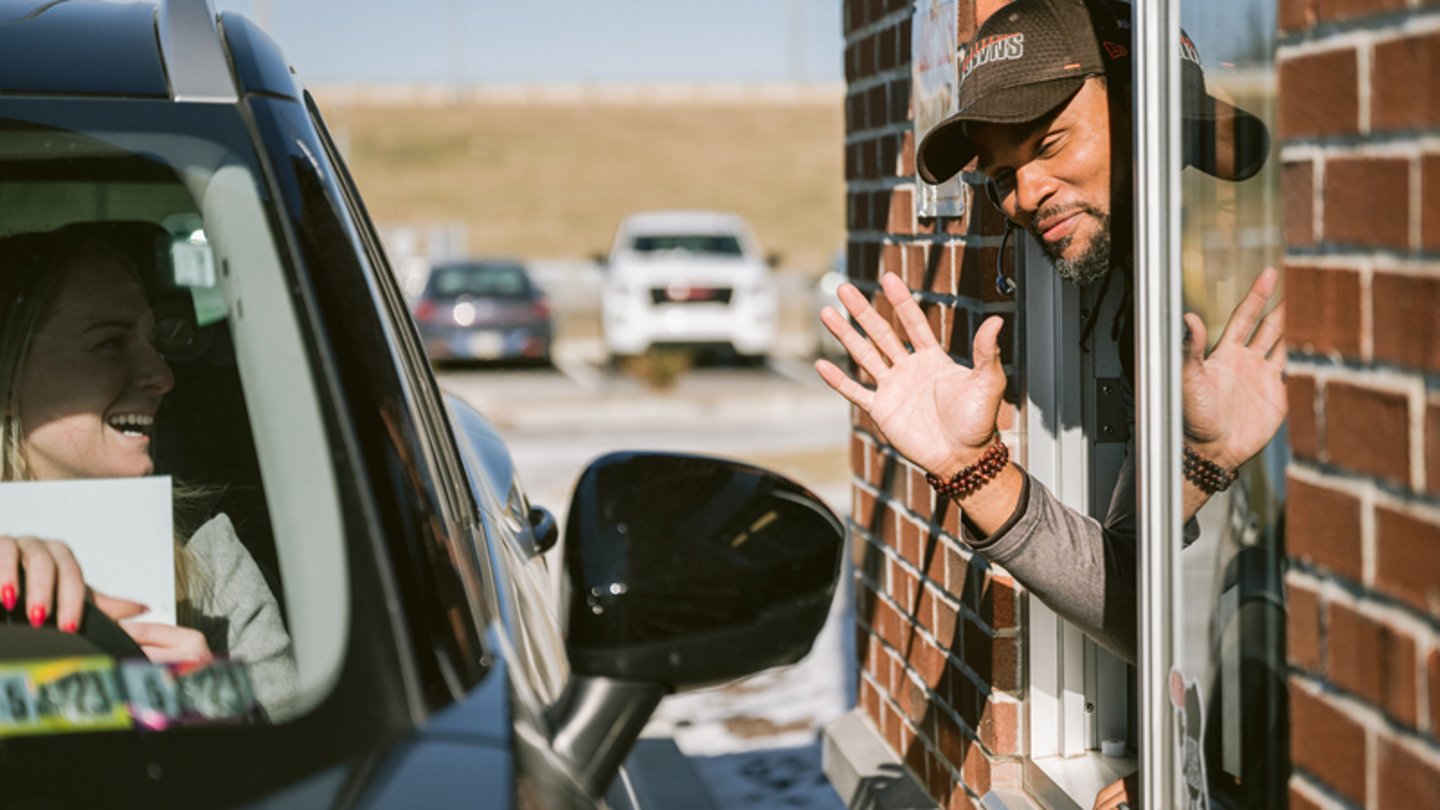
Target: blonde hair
(33, 267)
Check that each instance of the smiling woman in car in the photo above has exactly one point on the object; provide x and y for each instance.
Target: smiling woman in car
(81, 382)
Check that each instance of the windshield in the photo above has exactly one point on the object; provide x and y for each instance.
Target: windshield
(147, 333)
(704, 244)
(479, 281)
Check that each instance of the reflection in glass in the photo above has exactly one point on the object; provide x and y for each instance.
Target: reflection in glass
(1232, 646)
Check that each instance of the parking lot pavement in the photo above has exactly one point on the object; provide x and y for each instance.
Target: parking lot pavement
(754, 742)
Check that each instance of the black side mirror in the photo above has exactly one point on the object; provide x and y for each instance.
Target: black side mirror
(688, 571)
(684, 571)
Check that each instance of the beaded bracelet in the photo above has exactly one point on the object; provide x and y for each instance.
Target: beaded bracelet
(1205, 474)
(968, 480)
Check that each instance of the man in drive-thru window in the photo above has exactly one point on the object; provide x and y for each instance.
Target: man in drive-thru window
(1044, 111)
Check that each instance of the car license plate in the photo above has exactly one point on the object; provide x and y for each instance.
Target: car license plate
(487, 344)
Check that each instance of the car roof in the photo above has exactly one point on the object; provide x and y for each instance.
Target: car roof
(170, 49)
(680, 221)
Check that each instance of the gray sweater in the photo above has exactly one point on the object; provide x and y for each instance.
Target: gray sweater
(239, 616)
(1083, 569)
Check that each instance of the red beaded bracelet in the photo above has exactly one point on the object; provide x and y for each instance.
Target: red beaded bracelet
(1206, 474)
(967, 481)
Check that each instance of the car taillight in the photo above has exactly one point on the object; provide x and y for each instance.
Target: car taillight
(541, 310)
(425, 311)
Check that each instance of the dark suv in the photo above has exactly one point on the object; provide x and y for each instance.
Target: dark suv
(430, 662)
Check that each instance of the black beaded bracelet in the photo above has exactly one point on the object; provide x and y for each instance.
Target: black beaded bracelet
(1206, 474)
(964, 483)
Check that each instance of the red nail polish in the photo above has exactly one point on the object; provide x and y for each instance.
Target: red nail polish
(70, 627)
(37, 615)
(7, 597)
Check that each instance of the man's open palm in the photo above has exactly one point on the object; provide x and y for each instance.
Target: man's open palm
(1234, 398)
(934, 411)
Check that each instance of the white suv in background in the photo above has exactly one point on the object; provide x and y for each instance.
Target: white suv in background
(691, 279)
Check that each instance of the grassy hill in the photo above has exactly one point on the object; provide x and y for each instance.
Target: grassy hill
(553, 180)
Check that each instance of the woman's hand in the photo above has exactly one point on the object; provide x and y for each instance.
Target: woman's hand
(165, 644)
(54, 585)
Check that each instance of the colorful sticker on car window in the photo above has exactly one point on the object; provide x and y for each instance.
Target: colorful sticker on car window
(167, 695)
(70, 694)
(97, 694)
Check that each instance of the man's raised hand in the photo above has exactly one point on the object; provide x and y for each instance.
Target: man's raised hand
(1234, 396)
(937, 413)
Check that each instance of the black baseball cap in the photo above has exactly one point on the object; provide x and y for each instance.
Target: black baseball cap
(1031, 56)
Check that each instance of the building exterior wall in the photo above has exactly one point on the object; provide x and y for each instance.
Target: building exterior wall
(937, 627)
(1359, 120)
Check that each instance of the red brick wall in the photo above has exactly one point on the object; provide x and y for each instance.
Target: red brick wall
(937, 628)
(1359, 121)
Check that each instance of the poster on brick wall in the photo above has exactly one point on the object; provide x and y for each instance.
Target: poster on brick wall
(934, 39)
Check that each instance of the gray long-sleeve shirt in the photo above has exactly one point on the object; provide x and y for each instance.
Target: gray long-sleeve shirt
(1083, 569)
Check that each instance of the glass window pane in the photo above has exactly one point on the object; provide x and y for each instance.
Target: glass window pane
(1231, 659)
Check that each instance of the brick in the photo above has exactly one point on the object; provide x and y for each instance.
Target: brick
(1304, 429)
(1000, 727)
(921, 495)
(877, 107)
(977, 273)
(1432, 672)
(1405, 780)
(998, 606)
(1005, 667)
(906, 166)
(976, 770)
(1326, 744)
(1430, 214)
(1319, 95)
(1368, 431)
(880, 209)
(1407, 558)
(909, 540)
(1296, 14)
(1323, 527)
(1404, 94)
(1407, 331)
(1323, 315)
(1367, 202)
(1373, 660)
(957, 568)
(983, 10)
(1297, 180)
(1328, 10)
(1432, 447)
(949, 739)
(902, 211)
(946, 618)
(1302, 627)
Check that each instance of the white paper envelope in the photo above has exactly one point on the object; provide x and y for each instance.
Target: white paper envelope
(120, 529)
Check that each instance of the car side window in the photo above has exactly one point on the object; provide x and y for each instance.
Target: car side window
(469, 607)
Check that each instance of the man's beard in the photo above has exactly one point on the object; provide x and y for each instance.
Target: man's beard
(1088, 267)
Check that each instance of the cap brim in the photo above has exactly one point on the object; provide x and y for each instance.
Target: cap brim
(947, 147)
(1223, 140)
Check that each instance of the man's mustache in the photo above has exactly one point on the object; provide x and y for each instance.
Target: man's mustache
(1062, 210)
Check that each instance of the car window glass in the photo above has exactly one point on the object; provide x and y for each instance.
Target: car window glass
(480, 280)
(718, 245)
(154, 369)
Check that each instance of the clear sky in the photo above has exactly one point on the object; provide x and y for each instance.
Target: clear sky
(554, 40)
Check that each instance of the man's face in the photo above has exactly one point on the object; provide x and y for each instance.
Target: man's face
(1052, 177)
